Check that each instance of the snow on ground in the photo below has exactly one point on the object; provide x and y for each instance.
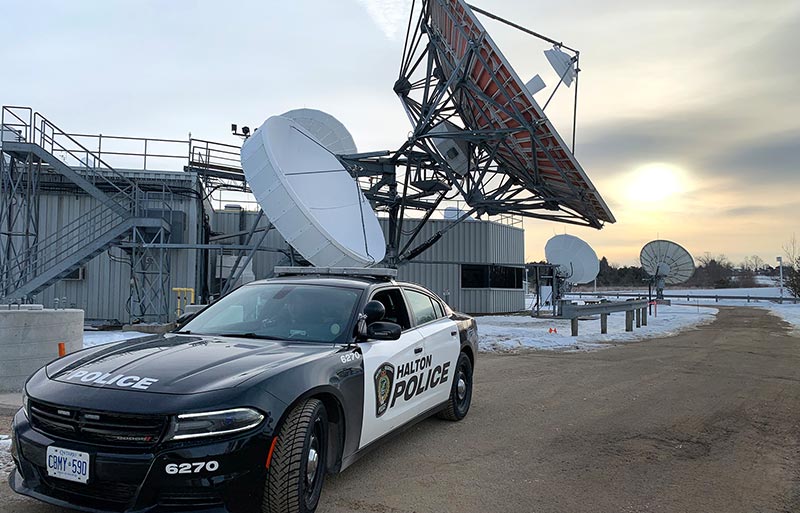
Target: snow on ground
(514, 332)
(96, 338)
(6, 464)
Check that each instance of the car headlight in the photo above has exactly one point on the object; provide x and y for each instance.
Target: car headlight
(214, 423)
(25, 403)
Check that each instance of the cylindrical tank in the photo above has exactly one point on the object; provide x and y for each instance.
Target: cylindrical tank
(29, 338)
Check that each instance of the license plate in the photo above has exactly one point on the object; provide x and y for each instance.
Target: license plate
(67, 464)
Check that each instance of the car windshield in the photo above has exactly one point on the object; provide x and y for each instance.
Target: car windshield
(312, 313)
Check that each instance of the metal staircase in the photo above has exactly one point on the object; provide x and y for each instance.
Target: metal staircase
(29, 263)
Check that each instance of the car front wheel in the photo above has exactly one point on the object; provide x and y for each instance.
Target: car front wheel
(297, 468)
(461, 390)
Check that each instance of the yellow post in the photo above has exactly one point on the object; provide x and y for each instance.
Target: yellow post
(183, 300)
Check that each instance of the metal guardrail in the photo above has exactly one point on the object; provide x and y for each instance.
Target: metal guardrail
(633, 308)
(689, 297)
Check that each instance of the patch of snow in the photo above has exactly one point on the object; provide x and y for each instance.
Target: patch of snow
(769, 281)
(514, 332)
(6, 463)
(96, 338)
(789, 313)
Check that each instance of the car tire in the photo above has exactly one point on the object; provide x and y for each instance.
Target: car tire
(460, 392)
(292, 485)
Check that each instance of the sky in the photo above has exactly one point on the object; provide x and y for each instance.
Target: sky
(688, 118)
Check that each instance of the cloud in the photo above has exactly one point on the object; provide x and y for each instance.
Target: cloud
(775, 157)
(391, 16)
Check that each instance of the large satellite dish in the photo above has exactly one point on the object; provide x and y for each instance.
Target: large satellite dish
(666, 262)
(325, 128)
(521, 165)
(577, 262)
(309, 196)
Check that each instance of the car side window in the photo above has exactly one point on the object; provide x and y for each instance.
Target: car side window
(438, 309)
(422, 306)
(395, 305)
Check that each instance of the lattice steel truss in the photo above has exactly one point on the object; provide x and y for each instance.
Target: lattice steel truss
(494, 151)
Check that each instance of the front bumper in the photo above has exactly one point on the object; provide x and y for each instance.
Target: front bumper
(136, 480)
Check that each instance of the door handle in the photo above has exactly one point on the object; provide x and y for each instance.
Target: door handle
(417, 350)
(453, 333)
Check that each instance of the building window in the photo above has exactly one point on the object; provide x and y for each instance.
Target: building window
(76, 275)
(474, 276)
(491, 276)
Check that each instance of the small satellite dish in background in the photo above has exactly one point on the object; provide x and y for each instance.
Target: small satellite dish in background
(577, 260)
(562, 63)
(310, 197)
(454, 213)
(667, 263)
(325, 128)
(535, 84)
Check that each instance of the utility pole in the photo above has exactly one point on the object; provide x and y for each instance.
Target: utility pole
(780, 265)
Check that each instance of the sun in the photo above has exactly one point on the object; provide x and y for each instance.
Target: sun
(655, 182)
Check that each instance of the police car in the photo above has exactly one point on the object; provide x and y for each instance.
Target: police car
(248, 405)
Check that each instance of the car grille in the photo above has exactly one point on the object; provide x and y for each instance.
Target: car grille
(189, 499)
(117, 494)
(103, 428)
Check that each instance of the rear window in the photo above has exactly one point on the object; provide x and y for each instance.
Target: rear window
(301, 312)
(422, 306)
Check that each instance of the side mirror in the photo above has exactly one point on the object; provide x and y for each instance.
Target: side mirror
(375, 311)
(383, 331)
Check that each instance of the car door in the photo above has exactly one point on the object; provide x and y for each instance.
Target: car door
(441, 345)
(385, 365)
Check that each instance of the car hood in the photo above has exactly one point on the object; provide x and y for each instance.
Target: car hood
(181, 364)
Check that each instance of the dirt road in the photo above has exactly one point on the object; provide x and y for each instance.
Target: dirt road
(706, 421)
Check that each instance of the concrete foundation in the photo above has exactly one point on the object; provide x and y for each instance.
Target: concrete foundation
(29, 338)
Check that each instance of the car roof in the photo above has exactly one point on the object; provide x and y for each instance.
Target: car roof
(340, 281)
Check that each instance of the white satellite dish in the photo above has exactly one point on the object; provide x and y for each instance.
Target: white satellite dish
(577, 262)
(666, 262)
(562, 63)
(310, 198)
(325, 128)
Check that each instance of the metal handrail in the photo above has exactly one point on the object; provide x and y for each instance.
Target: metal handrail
(98, 141)
(41, 258)
(204, 153)
(45, 133)
(87, 223)
(12, 111)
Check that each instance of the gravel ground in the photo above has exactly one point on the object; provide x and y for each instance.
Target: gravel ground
(703, 421)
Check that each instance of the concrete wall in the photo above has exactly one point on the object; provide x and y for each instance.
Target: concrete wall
(29, 339)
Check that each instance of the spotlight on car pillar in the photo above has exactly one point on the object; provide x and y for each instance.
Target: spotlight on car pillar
(246, 130)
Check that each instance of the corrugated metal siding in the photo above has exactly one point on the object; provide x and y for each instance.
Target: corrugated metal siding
(487, 301)
(104, 292)
(469, 242)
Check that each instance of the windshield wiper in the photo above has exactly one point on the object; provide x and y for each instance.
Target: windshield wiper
(187, 332)
(246, 335)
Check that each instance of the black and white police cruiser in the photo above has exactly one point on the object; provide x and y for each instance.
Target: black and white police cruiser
(249, 404)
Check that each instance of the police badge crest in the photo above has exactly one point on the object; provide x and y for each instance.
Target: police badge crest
(384, 378)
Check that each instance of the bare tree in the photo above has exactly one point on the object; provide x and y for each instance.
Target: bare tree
(791, 263)
(791, 249)
(747, 264)
(758, 262)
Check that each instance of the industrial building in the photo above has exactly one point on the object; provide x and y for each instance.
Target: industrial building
(112, 225)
